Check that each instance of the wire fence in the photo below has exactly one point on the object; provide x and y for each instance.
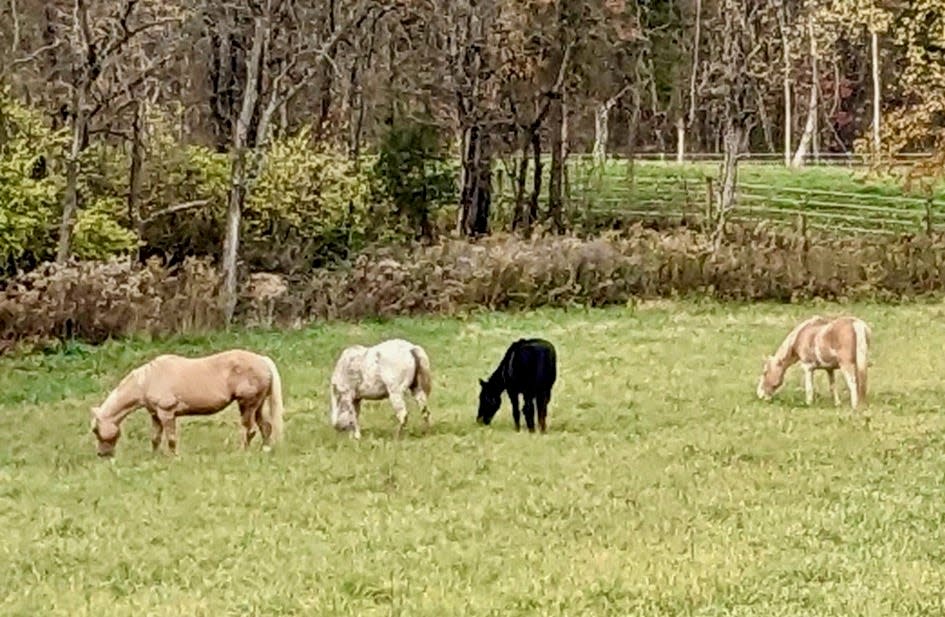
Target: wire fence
(622, 190)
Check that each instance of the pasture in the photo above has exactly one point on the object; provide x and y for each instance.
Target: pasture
(663, 487)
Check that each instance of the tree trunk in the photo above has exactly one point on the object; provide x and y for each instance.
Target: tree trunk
(555, 182)
(238, 175)
(536, 181)
(786, 83)
(134, 172)
(810, 127)
(680, 140)
(601, 132)
(874, 46)
(476, 198)
(520, 215)
(70, 203)
(729, 178)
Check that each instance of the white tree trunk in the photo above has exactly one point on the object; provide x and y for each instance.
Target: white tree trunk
(602, 125)
(601, 132)
(786, 82)
(234, 210)
(810, 127)
(680, 140)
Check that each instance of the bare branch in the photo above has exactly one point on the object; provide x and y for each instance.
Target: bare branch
(187, 205)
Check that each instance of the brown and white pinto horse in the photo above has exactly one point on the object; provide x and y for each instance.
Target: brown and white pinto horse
(170, 386)
(820, 343)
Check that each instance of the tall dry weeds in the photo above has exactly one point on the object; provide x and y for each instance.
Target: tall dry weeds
(95, 301)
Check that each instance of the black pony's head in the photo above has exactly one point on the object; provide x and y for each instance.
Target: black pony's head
(489, 401)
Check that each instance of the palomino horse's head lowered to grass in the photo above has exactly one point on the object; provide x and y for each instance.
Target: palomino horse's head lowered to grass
(106, 434)
(772, 377)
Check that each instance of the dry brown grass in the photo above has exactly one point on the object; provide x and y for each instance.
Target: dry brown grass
(94, 301)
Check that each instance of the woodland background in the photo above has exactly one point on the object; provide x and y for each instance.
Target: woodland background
(201, 142)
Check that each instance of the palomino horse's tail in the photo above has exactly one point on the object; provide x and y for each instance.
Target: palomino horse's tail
(275, 399)
(863, 335)
(423, 378)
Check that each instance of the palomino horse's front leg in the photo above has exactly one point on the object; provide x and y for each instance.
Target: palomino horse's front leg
(832, 380)
(169, 422)
(248, 411)
(157, 432)
(808, 384)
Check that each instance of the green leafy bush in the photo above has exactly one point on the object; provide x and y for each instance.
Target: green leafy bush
(97, 232)
(177, 174)
(29, 186)
(307, 207)
(414, 173)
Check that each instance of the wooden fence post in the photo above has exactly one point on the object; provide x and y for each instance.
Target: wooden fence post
(708, 203)
(928, 215)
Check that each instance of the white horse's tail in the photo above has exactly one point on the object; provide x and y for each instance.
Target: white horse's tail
(863, 335)
(276, 408)
(423, 378)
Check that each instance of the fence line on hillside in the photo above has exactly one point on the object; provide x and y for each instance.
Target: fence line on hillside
(835, 211)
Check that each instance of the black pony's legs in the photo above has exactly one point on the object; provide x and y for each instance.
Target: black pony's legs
(516, 414)
(530, 413)
(542, 400)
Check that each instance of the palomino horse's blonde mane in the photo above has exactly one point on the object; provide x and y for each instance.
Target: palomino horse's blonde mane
(787, 345)
(139, 375)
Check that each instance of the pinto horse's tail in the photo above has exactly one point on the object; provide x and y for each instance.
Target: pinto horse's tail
(423, 378)
(275, 399)
(863, 335)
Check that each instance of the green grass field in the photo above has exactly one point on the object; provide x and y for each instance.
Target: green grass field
(663, 487)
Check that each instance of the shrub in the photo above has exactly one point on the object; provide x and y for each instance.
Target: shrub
(93, 301)
(29, 187)
(307, 207)
(414, 174)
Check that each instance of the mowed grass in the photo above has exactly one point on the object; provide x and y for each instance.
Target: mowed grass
(663, 487)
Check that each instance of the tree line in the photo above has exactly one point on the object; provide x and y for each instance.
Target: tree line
(526, 83)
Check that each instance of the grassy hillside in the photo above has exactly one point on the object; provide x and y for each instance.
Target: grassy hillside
(832, 197)
(663, 487)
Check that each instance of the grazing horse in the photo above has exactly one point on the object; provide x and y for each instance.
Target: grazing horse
(170, 386)
(386, 370)
(529, 368)
(820, 343)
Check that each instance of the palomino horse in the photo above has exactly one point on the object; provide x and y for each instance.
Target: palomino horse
(386, 370)
(819, 343)
(170, 386)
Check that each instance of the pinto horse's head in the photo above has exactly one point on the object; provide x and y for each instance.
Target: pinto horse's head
(106, 434)
(489, 402)
(772, 376)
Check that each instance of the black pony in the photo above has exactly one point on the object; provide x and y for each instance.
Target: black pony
(529, 368)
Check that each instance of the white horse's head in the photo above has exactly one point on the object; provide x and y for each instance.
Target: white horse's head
(342, 411)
